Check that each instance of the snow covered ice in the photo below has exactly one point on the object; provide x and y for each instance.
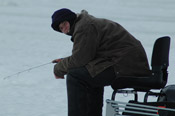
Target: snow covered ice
(27, 40)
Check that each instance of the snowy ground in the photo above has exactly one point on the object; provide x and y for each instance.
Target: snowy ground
(27, 40)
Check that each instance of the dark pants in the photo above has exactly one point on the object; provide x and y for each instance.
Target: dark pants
(85, 94)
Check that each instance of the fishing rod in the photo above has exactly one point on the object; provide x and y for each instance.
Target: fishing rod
(26, 70)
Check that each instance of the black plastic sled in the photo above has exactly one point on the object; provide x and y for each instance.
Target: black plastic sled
(164, 105)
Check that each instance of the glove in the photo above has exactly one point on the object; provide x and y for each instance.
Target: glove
(59, 77)
(56, 60)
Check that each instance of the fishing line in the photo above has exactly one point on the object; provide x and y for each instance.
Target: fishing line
(26, 70)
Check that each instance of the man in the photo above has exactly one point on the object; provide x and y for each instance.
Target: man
(102, 51)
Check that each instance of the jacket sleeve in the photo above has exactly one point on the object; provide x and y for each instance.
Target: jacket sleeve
(84, 50)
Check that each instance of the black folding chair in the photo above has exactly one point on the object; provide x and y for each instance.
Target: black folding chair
(156, 81)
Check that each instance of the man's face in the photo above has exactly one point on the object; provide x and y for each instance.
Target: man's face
(64, 27)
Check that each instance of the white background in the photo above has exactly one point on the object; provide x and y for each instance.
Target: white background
(27, 40)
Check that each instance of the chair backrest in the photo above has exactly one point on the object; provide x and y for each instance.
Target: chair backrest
(159, 63)
(160, 58)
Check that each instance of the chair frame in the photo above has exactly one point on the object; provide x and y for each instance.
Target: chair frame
(159, 63)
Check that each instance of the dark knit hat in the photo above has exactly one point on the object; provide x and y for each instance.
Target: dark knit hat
(62, 15)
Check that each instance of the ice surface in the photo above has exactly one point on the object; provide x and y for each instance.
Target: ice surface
(27, 40)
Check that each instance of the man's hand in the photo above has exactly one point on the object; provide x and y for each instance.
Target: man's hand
(56, 60)
(59, 77)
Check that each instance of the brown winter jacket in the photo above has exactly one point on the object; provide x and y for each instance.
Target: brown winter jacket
(101, 43)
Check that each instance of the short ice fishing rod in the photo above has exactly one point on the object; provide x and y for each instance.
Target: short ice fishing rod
(7, 77)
